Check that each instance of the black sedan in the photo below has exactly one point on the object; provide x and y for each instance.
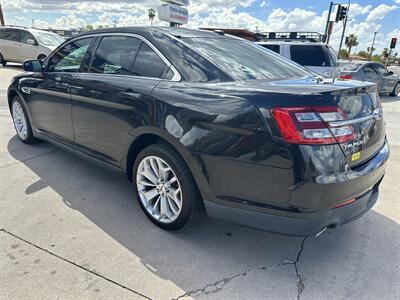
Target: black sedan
(202, 122)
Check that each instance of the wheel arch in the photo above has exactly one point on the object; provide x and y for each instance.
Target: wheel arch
(147, 136)
(11, 95)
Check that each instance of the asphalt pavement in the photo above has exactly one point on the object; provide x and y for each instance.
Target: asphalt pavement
(71, 230)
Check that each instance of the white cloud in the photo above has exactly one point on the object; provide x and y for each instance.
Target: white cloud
(212, 5)
(380, 12)
(226, 18)
(356, 10)
(264, 3)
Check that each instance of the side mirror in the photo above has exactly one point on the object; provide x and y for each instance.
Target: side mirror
(30, 42)
(33, 65)
(390, 73)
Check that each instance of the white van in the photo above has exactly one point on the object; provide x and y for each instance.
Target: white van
(305, 48)
(18, 44)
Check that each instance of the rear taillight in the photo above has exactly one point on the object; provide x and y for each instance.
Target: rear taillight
(346, 76)
(310, 125)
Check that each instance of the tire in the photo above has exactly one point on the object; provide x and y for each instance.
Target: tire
(18, 112)
(192, 207)
(396, 90)
(2, 60)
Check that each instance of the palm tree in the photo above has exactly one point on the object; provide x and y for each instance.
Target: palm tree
(151, 13)
(351, 41)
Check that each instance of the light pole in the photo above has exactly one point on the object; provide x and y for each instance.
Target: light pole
(327, 27)
(1, 16)
(372, 47)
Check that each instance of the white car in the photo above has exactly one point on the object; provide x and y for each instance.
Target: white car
(18, 44)
(304, 48)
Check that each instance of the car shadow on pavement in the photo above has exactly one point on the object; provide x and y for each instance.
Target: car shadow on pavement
(338, 263)
(389, 99)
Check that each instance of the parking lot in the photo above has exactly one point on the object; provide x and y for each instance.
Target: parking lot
(71, 230)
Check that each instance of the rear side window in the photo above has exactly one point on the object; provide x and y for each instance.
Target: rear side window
(12, 34)
(148, 63)
(115, 55)
(275, 48)
(369, 69)
(69, 57)
(1, 32)
(316, 56)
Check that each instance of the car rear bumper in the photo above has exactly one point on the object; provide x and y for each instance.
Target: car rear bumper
(295, 226)
(368, 177)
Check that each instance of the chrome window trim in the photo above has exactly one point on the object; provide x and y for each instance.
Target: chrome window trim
(177, 76)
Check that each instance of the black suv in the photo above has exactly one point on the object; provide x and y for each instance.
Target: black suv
(204, 122)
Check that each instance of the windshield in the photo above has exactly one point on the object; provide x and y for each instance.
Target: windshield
(48, 39)
(243, 60)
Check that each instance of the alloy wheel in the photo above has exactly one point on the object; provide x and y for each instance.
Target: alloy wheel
(19, 120)
(159, 189)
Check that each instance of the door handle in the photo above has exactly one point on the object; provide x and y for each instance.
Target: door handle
(131, 95)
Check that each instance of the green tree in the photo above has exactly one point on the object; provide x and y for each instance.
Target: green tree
(151, 13)
(364, 54)
(89, 27)
(351, 41)
(343, 54)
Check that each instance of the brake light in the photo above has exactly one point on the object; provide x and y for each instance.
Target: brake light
(346, 76)
(344, 203)
(310, 125)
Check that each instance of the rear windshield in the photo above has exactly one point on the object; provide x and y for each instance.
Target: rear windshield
(350, 67)
(275, 48)
(316, 56)
(243, 60)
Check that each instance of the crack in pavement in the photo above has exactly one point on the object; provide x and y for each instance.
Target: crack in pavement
(300, 281)
(29, 158)
(217, 286)
(75, 264)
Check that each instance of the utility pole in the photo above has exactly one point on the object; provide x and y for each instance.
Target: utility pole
(344, 27)
(327, 29)
(33, 23)
(115, 23)
(373, 43)
(1, 16)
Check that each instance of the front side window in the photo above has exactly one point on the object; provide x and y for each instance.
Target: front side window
(316, 56)
(381, 70)
(115, 55)
(25, 36)
(11, 34)
(149, 64)
(69, 57)
(243, 60)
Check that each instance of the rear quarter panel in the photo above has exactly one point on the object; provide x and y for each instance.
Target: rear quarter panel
(226, 137)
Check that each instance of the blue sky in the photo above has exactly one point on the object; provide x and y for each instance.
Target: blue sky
(367, 16)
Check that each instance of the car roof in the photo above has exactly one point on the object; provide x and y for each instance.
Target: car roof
(174, 31)
(33, 30)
